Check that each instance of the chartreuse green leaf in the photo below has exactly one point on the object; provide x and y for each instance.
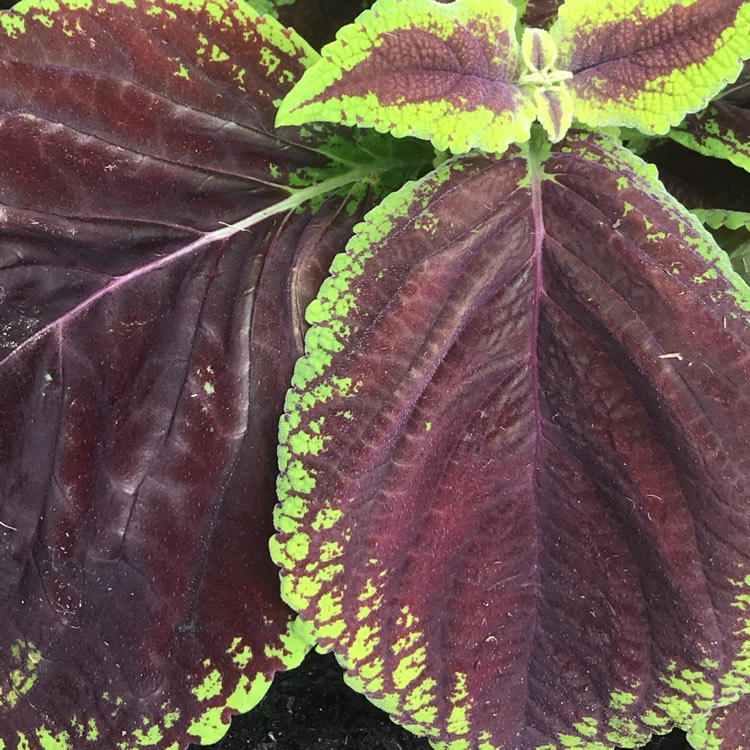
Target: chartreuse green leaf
(445, 72)
(513, 488)
(716, 218)
(647, 63)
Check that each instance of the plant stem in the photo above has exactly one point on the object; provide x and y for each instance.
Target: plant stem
(295, 200)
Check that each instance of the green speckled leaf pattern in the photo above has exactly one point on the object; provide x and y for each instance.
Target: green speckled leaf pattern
(514, 458)
(722, 131)
(727, 728)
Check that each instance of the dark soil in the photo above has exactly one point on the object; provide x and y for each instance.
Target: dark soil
(311, 708)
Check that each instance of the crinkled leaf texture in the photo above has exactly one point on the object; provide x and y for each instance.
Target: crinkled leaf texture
(515, 457)
(455, 74)
(646, 63)
(143, 364)
(444, 72)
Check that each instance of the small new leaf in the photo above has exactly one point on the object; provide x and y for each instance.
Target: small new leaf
(554, 105)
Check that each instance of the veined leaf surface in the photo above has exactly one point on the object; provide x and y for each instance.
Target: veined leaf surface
(647, 63)
(447, 73)
(143, 362)
(452, 72)
(514, 460)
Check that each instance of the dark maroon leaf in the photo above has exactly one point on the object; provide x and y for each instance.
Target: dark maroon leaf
(515, 459)
(143, 366)
(722, 130)
(700, 181)
(540, 14)
(319, 20)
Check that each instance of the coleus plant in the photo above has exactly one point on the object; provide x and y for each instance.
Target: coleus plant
(513, 491)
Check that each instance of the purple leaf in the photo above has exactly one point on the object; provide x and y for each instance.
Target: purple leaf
(143, 363)
(514, 460)
(700, 181)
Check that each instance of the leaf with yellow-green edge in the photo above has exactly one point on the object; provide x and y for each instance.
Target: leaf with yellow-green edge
(513, 485)
(444, 72)
(554, 105)
(648, 63)
(723, 130)
(455, 74)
